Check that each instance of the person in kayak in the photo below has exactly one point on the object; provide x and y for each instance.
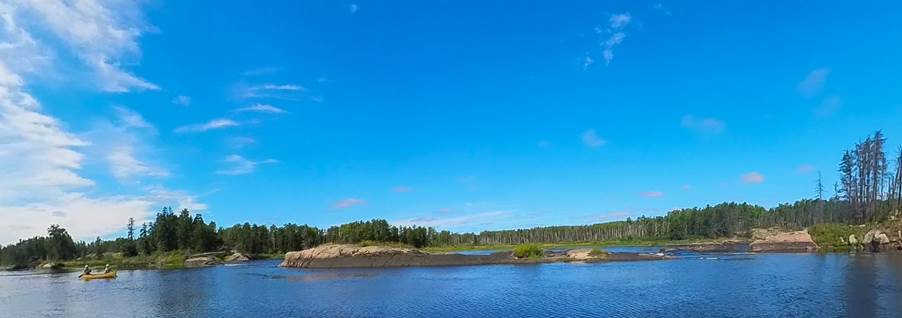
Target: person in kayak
(86, 271)
(107, 269)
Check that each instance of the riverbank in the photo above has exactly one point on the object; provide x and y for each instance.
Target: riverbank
(160, 260)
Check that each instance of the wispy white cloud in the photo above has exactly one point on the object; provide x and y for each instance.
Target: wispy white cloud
(131, 119)
(455, 221)
(238, 165)
(41, 184)
(102, 34)
(752, 178)
(262, 108)
(621, 20)
(703, 125)
(18, 49)
(616, 24)
(348, 203)
(813, 83)
(652, 194)
(269, 90)
(37, 153)
(181, 100)
(126, 167)
(218, 123)
(402, 189)
(592, 140)
(40, 160)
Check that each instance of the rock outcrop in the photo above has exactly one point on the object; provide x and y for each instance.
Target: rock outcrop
(876, 240)
(236, 257)
(52, 266)
(775, 241)
(202, 261)
(347, 256)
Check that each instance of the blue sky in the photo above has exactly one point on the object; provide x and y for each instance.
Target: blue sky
(462, 115)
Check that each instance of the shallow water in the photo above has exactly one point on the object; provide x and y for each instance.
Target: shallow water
(693, 285)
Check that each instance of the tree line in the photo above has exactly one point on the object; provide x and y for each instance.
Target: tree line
(866, 192)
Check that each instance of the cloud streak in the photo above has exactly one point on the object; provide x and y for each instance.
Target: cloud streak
(616, 23)
(813, 83)
(270, 90)
(181, 100)
(131, 119)
(214, 124)
(752, 178)
(348, 203)
(652, 194)
(262, 108)
(126, 167)
(703, 125)
(239, 165)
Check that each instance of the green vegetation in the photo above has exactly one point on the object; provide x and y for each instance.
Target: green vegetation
(834, 236)
(867, 194)
(528, 251)
(160, 260)
(597, 252)
(387, 244)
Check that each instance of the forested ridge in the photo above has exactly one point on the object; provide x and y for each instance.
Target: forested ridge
(869, 190)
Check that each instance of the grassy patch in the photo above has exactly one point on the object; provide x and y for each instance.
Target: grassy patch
(386, 244)
(834, 236)
(528, 251)
(167, 260)
(597, 252)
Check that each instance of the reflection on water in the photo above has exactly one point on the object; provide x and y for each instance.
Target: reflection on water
(692, 285)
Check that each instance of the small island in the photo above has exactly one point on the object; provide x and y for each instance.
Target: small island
(356, 256)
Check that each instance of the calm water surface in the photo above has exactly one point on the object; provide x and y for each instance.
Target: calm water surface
(712, 285)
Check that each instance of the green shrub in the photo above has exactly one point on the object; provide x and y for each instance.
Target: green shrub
(597, 252)
(528, 251)
(834, 236)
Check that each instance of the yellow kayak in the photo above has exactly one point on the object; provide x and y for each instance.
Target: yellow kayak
(109, 275)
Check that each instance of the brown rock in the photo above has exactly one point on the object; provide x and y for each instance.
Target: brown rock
(236, 257)
(201, 261)
(797, 241)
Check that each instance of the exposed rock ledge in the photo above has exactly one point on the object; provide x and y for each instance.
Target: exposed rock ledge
(347, 256)
(202, 261)
(774, 241)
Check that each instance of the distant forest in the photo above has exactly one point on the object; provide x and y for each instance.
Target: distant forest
(868, 191)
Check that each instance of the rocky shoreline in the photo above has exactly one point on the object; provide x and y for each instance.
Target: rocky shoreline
(355, 256)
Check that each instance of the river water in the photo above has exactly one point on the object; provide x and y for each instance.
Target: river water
(692, 285)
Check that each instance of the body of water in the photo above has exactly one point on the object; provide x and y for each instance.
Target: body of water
(711, 285)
